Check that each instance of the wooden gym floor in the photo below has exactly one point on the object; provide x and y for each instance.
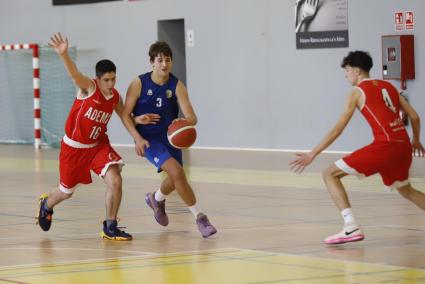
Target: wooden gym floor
(270, 223)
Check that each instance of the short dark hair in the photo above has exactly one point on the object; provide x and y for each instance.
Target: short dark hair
(160, 47)
(360, 59)
(105, 66)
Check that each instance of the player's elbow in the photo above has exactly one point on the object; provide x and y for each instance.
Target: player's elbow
(414, 118)
(192, 119)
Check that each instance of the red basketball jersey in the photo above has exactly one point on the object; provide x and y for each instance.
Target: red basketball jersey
(88, 118)
(381, 110)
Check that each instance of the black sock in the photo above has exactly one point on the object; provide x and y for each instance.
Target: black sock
(50, 210)
(109, 223)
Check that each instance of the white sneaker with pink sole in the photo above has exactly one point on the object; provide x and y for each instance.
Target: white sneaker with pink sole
(350, 233)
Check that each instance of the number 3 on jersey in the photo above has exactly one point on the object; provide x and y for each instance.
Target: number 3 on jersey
(158, 102)
(388, 101)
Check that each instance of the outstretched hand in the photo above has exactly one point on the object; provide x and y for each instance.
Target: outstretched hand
(304, 159)
(147, 118)
(140, 146)
(417, 149)
(59, 44)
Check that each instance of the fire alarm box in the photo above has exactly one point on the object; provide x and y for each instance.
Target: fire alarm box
(398, 57)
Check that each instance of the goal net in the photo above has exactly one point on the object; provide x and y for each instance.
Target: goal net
(23, 116)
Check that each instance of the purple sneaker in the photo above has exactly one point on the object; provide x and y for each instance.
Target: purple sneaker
(205, 226)
(158, 209)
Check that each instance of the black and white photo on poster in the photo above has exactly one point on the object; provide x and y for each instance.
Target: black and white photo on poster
(321, 23)
(76, 2)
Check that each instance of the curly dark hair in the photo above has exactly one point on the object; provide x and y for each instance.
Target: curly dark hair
(360, 59)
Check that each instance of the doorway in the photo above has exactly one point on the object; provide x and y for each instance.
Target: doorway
(172, 32)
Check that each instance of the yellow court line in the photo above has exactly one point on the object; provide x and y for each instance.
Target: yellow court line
(221, 266)
(137, 255)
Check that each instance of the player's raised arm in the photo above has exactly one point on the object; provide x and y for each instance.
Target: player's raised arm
(60, 45)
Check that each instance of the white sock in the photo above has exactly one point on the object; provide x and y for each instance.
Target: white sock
(195, 210)
(348, 216)
(159, 196)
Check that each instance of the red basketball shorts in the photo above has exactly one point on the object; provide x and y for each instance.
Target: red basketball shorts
(75, 164)
(391, 160)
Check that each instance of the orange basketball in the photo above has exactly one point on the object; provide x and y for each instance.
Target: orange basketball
(181, 134)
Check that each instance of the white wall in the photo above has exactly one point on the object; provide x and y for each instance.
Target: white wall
(249, 85)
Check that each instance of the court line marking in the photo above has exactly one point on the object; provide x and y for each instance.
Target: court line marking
(12, 281)
(118, 258)
(257, 254)
(81, 249)
(288, 222)
(254, 256)
(269, 178)
(247, 149)
(333, 259)
(96, 235)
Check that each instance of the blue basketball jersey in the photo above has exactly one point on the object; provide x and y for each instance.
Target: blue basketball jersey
(157, 99)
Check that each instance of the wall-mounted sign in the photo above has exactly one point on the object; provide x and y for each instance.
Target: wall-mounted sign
(321, 23)
(399, 21)
(74, 2)
(409, 20)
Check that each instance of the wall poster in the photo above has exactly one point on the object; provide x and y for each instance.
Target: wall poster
(321, 23)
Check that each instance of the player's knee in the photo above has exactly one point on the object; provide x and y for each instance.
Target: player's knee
(63, 193)
(332, 172)
(177, 174)
(328, 173)
(325, 174)
(66, 195)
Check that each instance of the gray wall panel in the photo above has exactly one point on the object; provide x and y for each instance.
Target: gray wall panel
(249, 85)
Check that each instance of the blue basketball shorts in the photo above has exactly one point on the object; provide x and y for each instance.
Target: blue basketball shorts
(159, 152)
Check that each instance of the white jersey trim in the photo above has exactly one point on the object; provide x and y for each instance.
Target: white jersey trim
(364, 97)
(81, 107)
(75, 144)
(120, 164)
(89, 95)
(342, 165)
(361, 90)
(67, 190)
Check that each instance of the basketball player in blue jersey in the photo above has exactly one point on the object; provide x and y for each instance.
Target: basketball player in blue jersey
(154, 99)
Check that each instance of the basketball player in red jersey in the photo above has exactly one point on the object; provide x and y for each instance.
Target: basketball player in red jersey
(85, 145)
(390, 154)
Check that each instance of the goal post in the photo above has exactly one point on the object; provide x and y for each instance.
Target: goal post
(35, 94)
